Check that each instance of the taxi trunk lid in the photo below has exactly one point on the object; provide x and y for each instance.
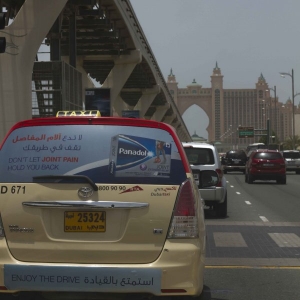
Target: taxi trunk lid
(118, 224)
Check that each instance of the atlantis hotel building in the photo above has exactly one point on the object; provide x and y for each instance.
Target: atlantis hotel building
(228, 109)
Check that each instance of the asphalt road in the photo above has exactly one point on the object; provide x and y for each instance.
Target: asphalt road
(251, 284)
(254, 253)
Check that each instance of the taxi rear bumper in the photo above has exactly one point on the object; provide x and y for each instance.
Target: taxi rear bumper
(177, 271)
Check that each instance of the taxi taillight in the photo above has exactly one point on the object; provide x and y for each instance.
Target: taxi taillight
(184, 223)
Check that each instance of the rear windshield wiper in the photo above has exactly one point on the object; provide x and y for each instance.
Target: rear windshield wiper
(65, 178)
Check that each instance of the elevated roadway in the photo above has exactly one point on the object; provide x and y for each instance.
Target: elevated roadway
(102, 39)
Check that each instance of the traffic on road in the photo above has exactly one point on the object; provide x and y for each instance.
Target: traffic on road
(254, 253)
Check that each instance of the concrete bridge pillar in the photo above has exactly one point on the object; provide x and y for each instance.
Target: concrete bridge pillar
(23, 39)
(116, 79)
(160, 112)
(148, 95)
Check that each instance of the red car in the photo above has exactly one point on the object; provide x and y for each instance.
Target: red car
(264, 164)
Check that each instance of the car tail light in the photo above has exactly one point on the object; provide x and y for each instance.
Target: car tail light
(184, 223)
(2, 234)
(220, 173)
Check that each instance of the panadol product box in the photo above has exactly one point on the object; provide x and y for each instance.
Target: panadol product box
(139, 156)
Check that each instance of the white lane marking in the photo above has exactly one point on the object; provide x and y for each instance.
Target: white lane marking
(248, 202)
(264, 219)
(238, 193)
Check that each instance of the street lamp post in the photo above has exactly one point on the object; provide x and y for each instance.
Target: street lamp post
(275, 105)
(263, 117)
(226, 136)
(282, 74)
(236, 140)
(230, 136)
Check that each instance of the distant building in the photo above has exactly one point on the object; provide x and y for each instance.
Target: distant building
(227, 109)
(197, 138)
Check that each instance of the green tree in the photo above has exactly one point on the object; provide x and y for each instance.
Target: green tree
(273, 140)
(263, 139)
(288, 143)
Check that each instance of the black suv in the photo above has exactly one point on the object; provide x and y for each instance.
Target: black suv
(234, 160)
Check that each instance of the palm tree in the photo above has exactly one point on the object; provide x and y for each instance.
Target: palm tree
(274, 139)
(288, 143)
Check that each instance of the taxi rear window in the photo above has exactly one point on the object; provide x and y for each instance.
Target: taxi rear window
(103, 153)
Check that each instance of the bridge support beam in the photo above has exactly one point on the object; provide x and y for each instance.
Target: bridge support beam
(160, 112)
(116, 79)
(182, 134)
(24, 37)
(148, 96)
(169, 119)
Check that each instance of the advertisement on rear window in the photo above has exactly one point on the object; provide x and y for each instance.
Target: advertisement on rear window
(138, 156)
(103, 153)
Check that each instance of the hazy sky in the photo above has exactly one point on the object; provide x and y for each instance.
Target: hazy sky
(245, 37)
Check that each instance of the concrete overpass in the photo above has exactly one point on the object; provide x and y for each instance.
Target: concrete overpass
(100, 39)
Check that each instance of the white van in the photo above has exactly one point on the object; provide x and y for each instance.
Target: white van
(203, 156)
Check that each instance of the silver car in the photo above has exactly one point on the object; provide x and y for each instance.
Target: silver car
(203, 156)
(292, 160)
